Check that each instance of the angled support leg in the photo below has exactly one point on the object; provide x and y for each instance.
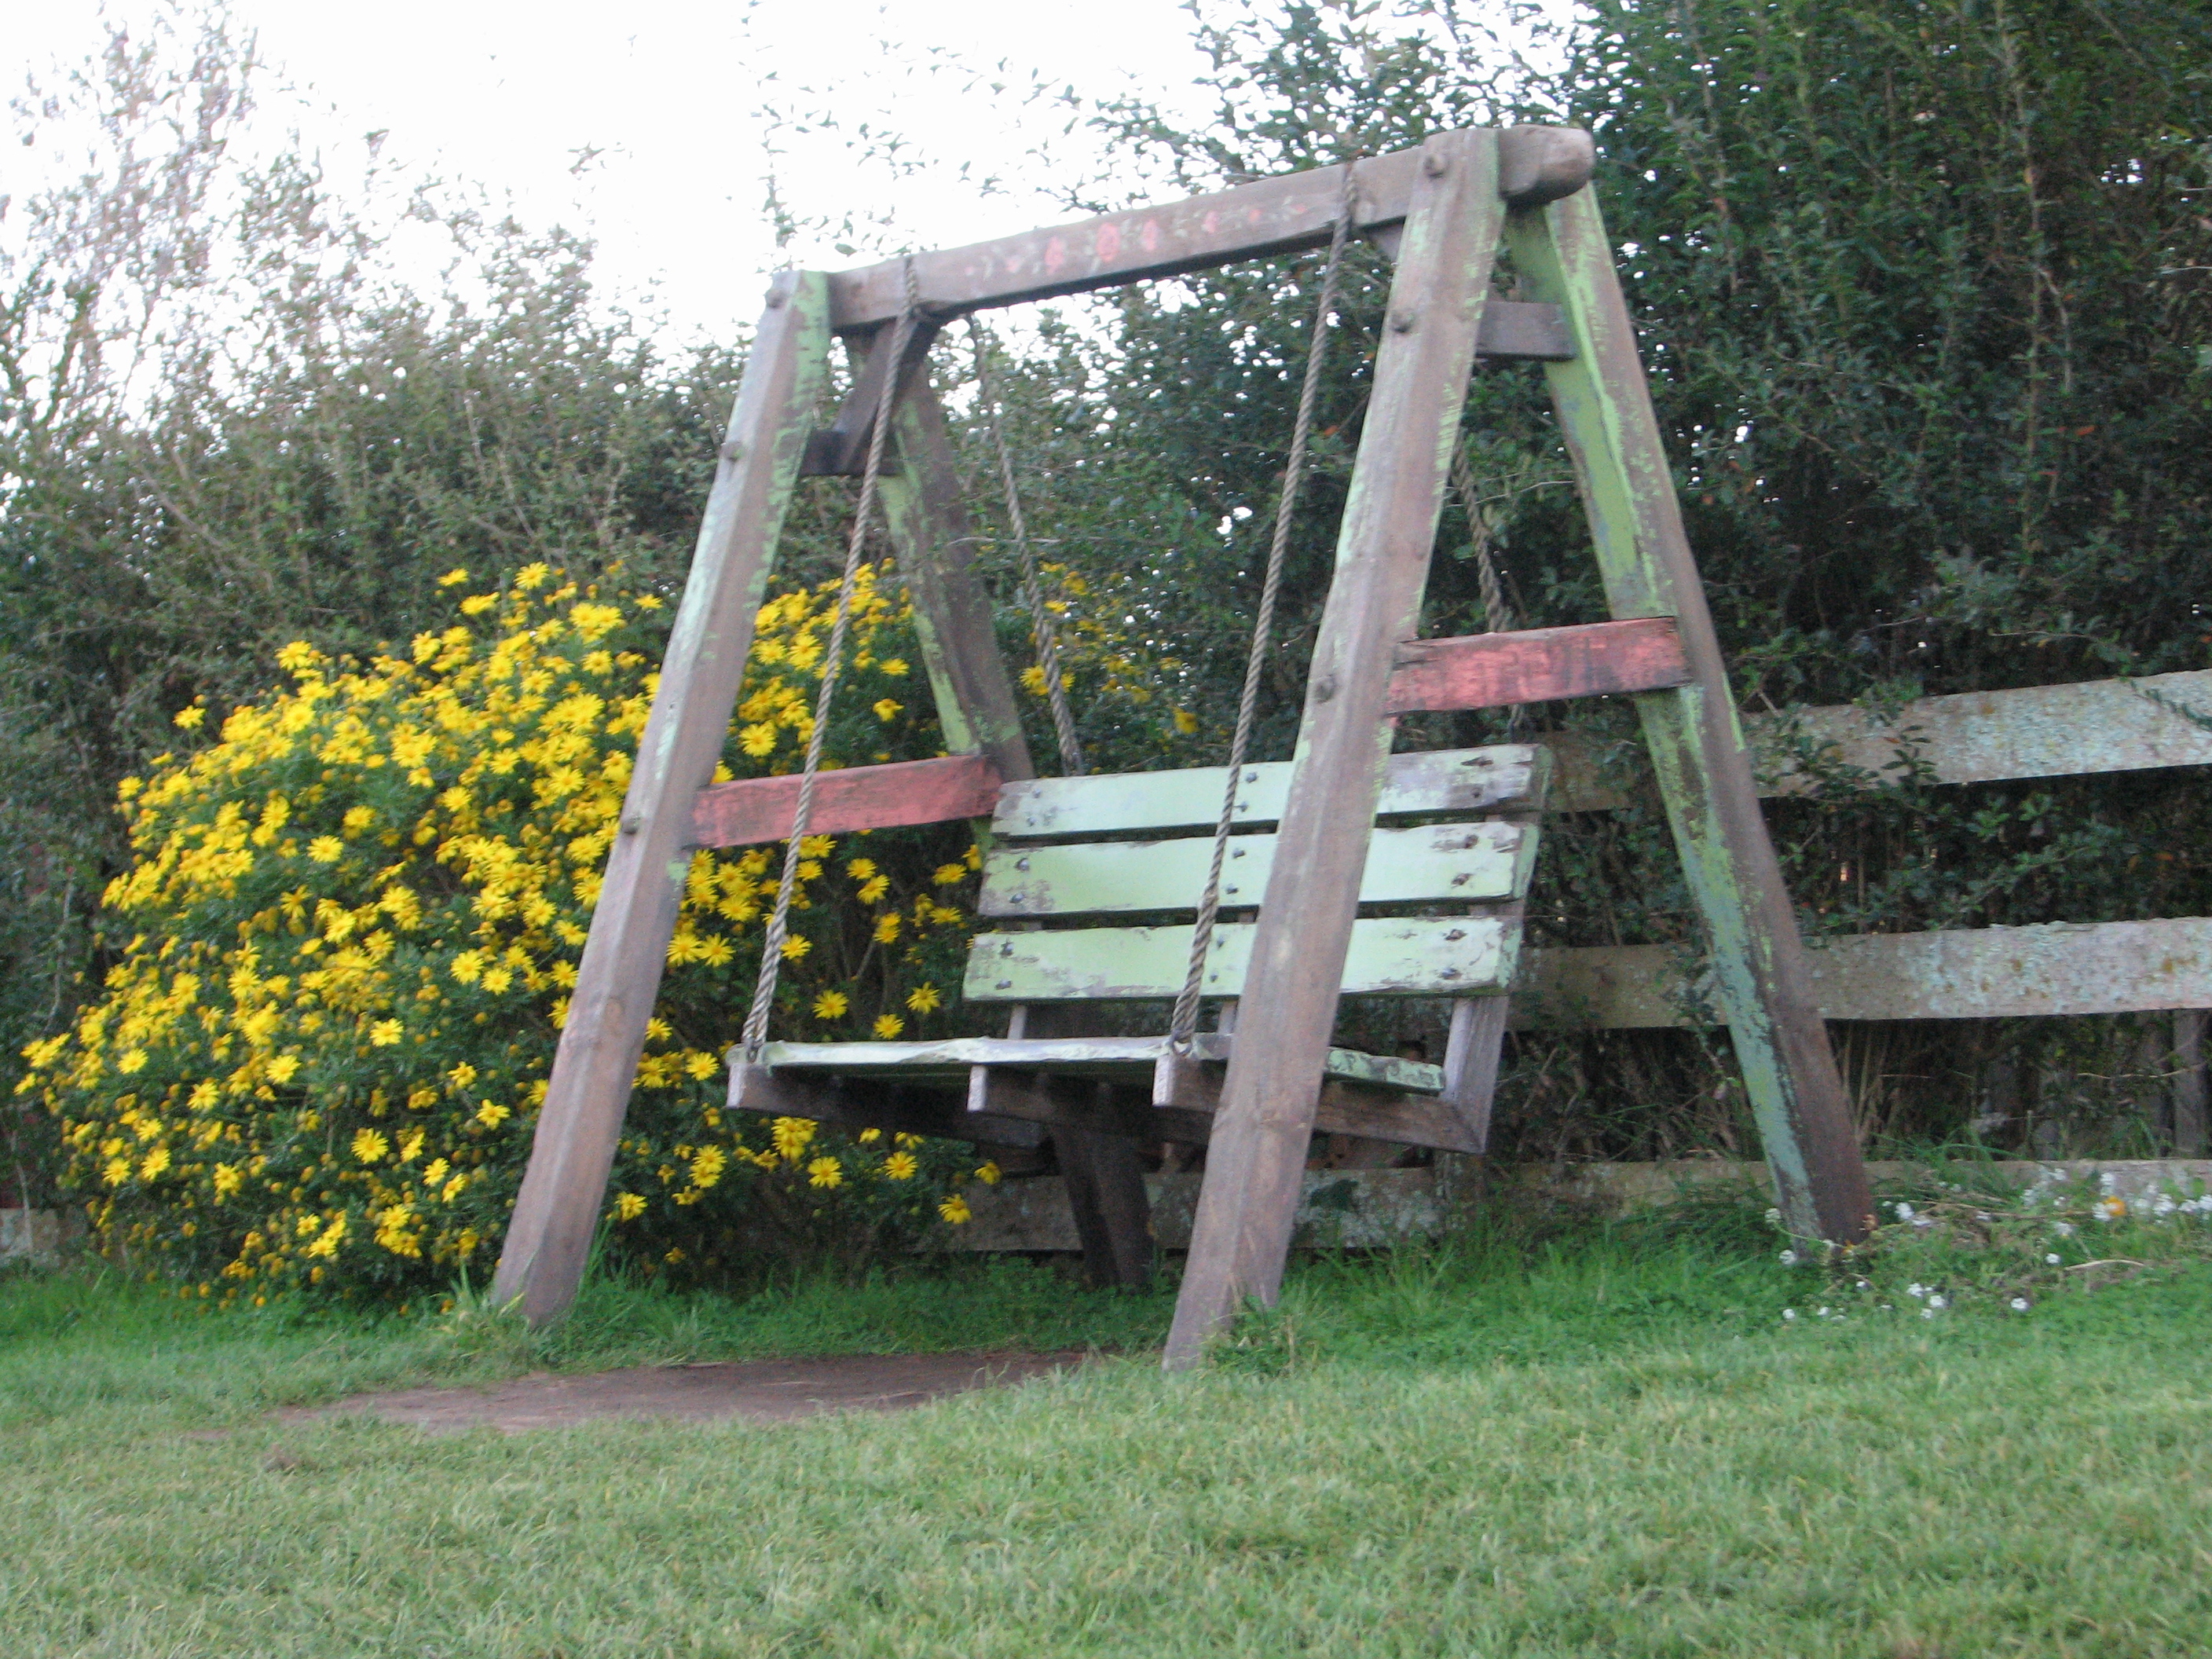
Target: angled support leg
(1697, 746)
(1249, 1202)
(975, 708)
(550, 1236)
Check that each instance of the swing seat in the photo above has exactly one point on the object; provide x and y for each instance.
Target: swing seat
(1095, 881)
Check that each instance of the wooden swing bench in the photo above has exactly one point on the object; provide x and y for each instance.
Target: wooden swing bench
(1094, 880)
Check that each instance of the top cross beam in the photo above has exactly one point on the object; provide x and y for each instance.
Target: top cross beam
(1276, 215)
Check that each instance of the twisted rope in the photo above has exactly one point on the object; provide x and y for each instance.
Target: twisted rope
(833, 658)
(1184, 1024)
(1042, 628)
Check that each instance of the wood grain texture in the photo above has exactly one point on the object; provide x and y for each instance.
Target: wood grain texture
(1306, 920)
(1980, 973)
(1697, 746)
(947, 1061)
(1459, 861)
(850, 799)
(1275, 215)
(1379, 956)
(1454, 780)
(1538, 664)
(541, 1262)
(2193, 1125)
(934, 537)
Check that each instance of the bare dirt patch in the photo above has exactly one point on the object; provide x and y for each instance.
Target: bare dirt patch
(758, 1391)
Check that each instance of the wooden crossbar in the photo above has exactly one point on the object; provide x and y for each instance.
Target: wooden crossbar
(1538, 664)
(1276, 215)
(854, 798)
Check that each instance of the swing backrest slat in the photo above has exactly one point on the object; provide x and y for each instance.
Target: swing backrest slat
(1470, 853)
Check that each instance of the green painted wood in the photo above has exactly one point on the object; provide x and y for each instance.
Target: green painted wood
(1386, 956)
(948, 1061)
(1470, 863)
(1697, 744)
(1441, 780)
(541, 1262)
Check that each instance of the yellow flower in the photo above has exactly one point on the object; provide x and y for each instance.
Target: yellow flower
(887, 928)
(900, 1166)
(1033, 680)
(156, 1161)
(831, 1005)
(491, 1114)
(816, 846)
(326, 849)
(190, 719)
(532, 576)
(954, 1209)
(861, 869)
(757, 740)
(924, 998)
(795, 947)
(792, 1136)
(894, 666)
(477, 604)
(869, 1137)
(825, 1172)
(874, 888)
(454, 578)
(887, 709)
(283, 1069)
(1185, 721)
(989, 1174)
(707, 1166)
(629, 1207)
(948, 873)
(370, 1147)
(385, 1033)
(889, 1026)
(2112, 1207)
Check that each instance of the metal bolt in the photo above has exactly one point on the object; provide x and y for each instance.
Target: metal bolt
(1403, 320)
(732, 450)
(632, 822)
(1435, 163)
(1021, 864)
(1005, 984)
(776, 297)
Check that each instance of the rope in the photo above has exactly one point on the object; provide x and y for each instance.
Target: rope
(1184, 1024)
(834, 657)
(1494, 611)
(1042, 629)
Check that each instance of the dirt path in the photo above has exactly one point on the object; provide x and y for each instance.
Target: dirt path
(759, 1391)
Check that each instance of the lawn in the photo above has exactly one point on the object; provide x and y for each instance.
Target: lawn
(1609, 1443)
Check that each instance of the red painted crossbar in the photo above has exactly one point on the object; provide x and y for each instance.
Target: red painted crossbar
(1491, 671)
(852, 798)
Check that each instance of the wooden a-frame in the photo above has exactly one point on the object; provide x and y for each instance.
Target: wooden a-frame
(1443, 209)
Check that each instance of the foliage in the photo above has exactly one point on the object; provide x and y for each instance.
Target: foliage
(353, 920)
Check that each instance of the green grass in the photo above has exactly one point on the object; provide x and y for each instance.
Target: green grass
(1609, 1444)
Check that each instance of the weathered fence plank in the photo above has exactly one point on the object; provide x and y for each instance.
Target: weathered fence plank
(857, 798)
(1975, 737)
(1982, 973)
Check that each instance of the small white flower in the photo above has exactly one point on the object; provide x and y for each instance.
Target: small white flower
(1863, 1285)
(1888, 1308)
(2020, 1305)
(1937, 1302)
(1916, 1290)
(1823, 1313)
(1789, 1313)
(1773, 1215)
(1904, 1212)
(2063, 1229)
(1927, 1312)
(2051, 1258)
(1788, 1258)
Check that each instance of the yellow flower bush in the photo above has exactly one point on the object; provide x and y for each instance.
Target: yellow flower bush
(347, 940)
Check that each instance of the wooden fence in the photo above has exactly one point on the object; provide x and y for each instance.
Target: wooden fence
(2058, 968)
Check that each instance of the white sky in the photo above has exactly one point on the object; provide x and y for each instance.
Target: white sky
(513, 97)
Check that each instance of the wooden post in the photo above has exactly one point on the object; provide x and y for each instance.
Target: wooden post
(975, 708)
(549, 1235)
(1249, 1199)
(2189, 1114)
(1697, 746)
